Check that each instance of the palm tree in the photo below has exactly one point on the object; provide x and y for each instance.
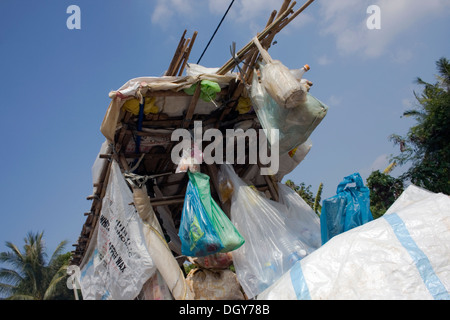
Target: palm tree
(426, 146)
(29, 276)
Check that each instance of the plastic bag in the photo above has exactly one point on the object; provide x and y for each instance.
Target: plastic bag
(155, 289)
(289, 161)
(214, 284)
(133, 106)
(209, 89)
(295, 125)
(191, 160)
(197, 234)
(349, 208)
(214, 261)
(229, 236)
(272, 241)
(300, 219)
(279, 82)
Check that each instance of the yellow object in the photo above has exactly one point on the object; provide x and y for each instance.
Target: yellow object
(390, 168)
(292, 152)
(244, 105)
(132, 106)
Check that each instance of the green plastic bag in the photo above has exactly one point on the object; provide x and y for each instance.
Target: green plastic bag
(208, 90)
(227, 232)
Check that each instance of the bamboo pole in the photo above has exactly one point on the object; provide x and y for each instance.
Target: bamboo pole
(187, 53)
(284, 6)
(276, 26)
(241, 53)
(176, 54)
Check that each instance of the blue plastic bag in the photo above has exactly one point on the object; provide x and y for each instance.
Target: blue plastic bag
(349, 208)
(197, 234)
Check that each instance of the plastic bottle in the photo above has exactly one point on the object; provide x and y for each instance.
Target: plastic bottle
(269, 276)
(303, 70)
(291, 251)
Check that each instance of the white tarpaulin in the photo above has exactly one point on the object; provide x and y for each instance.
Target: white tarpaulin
(120, 263)
(403, 255)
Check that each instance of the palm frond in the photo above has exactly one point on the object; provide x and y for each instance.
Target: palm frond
(15, 250)
(21, 297)
(10, 276)
(443, 66)
(415, 113)
(51, 289)
(58, 251)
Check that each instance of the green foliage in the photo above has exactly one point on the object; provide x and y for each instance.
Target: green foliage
(427, 144)
(28, 275)
(317, 207)
(307, 195)
(384, 190)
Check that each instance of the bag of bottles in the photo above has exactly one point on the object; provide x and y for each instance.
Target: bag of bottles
(349, 208)
(279, 82)
(294, 125)
(276, 234)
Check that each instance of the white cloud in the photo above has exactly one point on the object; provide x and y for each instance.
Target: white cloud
(401, 55)
(334, 101)
(323, 60)
(407, 104)
(251, 13)
(380, 163)
(346, 21)
(167, 11)
(161, 14)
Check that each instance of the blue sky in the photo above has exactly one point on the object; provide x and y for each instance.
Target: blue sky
(55, 82)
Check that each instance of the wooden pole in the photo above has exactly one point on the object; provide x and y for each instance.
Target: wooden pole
(241, 53)
(275, 27)
(187, 53)
(176, 54)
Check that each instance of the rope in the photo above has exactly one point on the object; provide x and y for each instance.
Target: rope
(212, 37)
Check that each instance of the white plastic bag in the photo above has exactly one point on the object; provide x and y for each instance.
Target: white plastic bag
(121, 263)
(273, 239)
(402, 255)
(289, 161)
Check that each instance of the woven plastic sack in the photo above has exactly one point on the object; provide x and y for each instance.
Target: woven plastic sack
(295, 125)
(272, 241)
(228, 234)
(197, 234)
(349, 208)
(403, 255)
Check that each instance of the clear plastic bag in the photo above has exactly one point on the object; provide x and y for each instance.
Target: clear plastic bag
(274, 233)
(295, 125)
(279, 82)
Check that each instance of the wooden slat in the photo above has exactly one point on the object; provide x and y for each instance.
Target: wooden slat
(192, 105)
(177, 53)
